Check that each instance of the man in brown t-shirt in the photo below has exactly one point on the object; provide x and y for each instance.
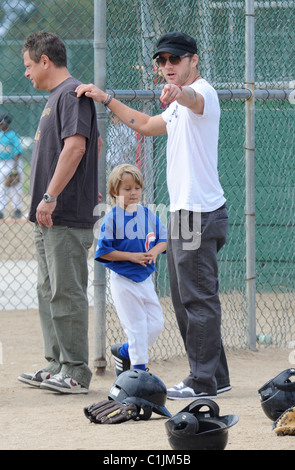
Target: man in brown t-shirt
(64, 192)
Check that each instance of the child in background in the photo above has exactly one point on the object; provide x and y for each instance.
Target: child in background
(131, 237)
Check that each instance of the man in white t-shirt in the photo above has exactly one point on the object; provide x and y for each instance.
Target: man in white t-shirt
(199, 221)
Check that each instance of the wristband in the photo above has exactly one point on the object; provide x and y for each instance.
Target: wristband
(177, 84)
(107, 100)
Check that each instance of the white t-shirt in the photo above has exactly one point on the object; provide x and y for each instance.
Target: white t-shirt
(192, 153)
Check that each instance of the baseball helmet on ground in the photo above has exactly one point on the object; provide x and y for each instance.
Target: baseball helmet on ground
(194, 429)
(278, 394)
(143, 389)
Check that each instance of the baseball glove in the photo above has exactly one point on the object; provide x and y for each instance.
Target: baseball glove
(12, 179)
(111, 412)
(285, 424)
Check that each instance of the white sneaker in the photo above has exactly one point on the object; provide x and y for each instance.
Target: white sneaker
(63, 384)
(182, 392)
(35, 378)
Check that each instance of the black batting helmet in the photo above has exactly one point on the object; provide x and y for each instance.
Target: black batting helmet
(142, 388)
(278, 394)
(194, 429)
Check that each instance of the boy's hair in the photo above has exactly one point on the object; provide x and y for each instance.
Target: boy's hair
(116, 175)
(49, 44)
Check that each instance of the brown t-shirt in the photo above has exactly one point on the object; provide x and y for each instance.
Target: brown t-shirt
(64, 116)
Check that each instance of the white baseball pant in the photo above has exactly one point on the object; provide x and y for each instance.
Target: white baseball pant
(140, 314)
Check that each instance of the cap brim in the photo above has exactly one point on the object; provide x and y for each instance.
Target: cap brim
(172, 50)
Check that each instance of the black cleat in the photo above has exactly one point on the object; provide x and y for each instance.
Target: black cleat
(121, 364)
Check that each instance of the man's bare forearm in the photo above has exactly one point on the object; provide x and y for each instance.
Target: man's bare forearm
(136, 120)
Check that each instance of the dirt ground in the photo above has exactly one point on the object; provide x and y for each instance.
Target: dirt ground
(32, 419)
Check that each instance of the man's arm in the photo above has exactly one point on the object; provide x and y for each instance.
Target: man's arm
(69, 159)
(186, 96)
(139, 122)
(99, 146)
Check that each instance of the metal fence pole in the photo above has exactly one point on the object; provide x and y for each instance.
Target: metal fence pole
(250, 174)
(99, 282)
(147, 77)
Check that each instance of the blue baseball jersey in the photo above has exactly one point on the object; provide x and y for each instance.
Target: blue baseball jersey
(133, 232)
(10, 145)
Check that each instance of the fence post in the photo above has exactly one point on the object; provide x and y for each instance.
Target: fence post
(147, 34)
(250, 173)
(99, 283)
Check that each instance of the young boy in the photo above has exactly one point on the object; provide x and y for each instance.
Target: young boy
(130, 239)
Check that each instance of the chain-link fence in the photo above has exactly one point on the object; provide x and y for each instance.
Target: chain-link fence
(132, 28)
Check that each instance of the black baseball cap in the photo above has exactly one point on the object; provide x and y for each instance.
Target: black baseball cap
(5, 118)
(177, 43)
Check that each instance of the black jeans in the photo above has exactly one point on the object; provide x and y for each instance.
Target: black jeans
(193, 273)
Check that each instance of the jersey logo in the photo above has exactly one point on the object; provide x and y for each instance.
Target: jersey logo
(149, 239)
